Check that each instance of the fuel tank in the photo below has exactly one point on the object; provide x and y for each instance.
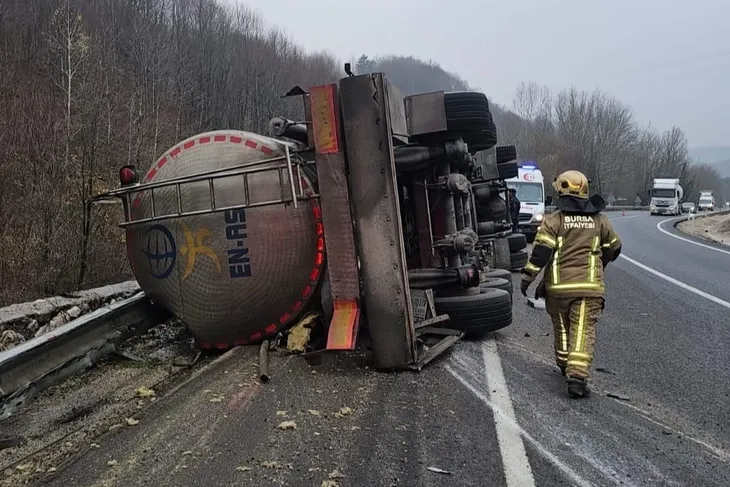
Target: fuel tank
(234, 276)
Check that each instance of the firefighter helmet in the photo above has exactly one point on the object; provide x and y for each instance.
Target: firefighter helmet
(571, 183)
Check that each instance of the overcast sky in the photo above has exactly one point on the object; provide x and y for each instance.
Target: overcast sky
(667, 59)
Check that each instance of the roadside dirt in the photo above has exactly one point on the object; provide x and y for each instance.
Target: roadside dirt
(68, 418)
(714, 228)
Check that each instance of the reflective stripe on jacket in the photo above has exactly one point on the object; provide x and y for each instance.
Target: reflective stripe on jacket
(573, 249)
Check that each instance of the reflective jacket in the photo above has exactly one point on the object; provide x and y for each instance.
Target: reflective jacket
(574, 248)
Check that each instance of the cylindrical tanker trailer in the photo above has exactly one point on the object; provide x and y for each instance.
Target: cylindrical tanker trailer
(227, 252)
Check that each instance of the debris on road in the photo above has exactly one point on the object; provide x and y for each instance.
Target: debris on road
(618, 396)
(142, 391)
(287, 425)
(10, 339)
(299, 335)
(38, 317)
(10, 442)
(343, 412)
(605, 371)
(439, 470)
(264, 362)
(336, 474)
(132, 422)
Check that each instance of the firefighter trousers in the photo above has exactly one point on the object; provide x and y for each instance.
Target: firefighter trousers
(574, 325)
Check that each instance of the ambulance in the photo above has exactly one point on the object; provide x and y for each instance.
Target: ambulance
(530, 187)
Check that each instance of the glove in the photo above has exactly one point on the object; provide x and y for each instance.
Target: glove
(540, 292)
(524, 285)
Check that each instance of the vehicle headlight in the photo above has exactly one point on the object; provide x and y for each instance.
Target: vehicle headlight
(652, 207)
(538, 217)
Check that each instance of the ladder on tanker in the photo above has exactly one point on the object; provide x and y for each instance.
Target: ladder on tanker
(290, 177)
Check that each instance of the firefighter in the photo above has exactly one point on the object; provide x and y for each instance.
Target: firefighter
(514, 208)
(574, 244)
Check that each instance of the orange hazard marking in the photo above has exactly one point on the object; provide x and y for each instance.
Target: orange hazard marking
(324, 121)
(344, 325)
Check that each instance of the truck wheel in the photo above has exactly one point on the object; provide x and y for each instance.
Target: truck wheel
(500, 274)
(517, 242)
(468, 117)
(519, 259)
(508, 170)
(477, 314)
(506, 153)
(501, 255)
(497, 283)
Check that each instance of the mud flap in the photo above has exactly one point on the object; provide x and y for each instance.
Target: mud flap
(344, 325)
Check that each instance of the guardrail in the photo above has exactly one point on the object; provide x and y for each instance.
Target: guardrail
(37, 364)
(699, 214)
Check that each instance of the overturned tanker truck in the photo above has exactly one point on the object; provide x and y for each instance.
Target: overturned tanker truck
(365, 210)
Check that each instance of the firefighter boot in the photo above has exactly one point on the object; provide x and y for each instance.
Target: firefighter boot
(578, 388)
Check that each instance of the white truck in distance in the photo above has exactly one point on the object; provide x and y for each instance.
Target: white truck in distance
(530, 188)
(666, 196)
(707, 201)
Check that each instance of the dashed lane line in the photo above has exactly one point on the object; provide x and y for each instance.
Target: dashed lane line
(517, 468)
(505, 420)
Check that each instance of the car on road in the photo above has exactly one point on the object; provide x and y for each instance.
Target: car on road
(689, 207)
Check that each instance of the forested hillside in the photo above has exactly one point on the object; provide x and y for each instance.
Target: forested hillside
(90, 85)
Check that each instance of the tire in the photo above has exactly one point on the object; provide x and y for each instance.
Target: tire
(502, 258)
(506, 153)
(477, 314)
(519, 260)
(517, 242)
(508, 170)
(499, 273)
(467, 116)
(497, 283)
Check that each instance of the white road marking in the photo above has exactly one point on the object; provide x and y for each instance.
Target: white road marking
(665, 232)
(676, 282)
(509, 421)
(517, 468)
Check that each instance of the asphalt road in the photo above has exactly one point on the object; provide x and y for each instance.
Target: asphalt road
(491, 413)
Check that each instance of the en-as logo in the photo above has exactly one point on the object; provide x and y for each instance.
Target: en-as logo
(160, 250)
(528, 176)
(196, 244)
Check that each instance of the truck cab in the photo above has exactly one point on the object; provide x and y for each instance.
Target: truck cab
(707, 201)
(666, 197)
(530, 187)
